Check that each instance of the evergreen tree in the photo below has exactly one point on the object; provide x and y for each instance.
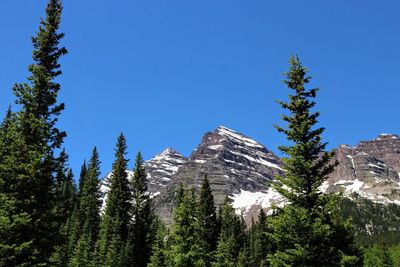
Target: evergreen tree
(244, 258)
(158, 257)
(75, 221)
(184, 249)
(387, 260)
(66, 201)
(259, 243)
(89, 215)
(207, 218)
(141, 235)
(116, 218)
(30, 164)
(82, 176)
(232, 236)
(309, 231)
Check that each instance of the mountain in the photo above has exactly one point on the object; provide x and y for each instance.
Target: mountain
(243, 168)
(160, 170)
(371, 169)
(237, 166)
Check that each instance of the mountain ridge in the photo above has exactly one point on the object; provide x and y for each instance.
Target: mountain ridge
(242, 168)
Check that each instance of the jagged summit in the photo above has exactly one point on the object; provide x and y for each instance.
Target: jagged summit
(229, 133)
(234, 163)
(162, 167)
(168, 152)
(384, 136)
(160, 170)
(242, 168)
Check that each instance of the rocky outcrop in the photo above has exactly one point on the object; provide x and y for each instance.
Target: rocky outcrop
(233, 162)
(242, 168)
(370, 169)
(162, 168)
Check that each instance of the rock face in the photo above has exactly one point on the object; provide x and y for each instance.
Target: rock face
(242, 168)
(161, 169)
(370, 169)
(233, 162)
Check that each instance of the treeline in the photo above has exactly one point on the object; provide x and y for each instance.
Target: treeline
(377, 229)
(120, 235)
(47, 220)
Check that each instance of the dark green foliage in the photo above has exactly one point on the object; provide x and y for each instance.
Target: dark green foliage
(89, 215)
(184, 249)
(379, 255)
(141, 235)
(82, 176)
(244, 258)
(207, 219)
(387, 260)
(65, 204)
(374, 223)
(259, 245)
(116, 218)
(232, 237)
(309, 231)
(30, 162)
(158, 257)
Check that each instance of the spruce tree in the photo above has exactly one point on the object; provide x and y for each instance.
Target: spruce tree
(89, 215)
(141, 235)
(82, 176)
(387, 259)
(158, 253)
(66, 201)
(259, 243)
(232, 236)
(309, 231)
(207, 218)
(116, 218)
(30, 165)
(185, 249)
(75, 221)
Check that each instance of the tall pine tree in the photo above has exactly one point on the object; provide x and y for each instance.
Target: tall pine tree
(258, 239)
(141, 235)
(115, 221)
(32, 161)
(309, 231)
(207, 219)
(82, 176)
(89, 215)
(185, 249)
(232, 236)
(66, 201)
(158, 253)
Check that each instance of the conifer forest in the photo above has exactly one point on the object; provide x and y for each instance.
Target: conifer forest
(50, 216)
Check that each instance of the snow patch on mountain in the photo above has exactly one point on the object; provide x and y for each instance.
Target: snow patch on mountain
(245, 200)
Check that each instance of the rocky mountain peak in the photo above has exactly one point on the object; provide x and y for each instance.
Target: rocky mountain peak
(386, 147)
(387, 137)
(162, 167)
(371, 169)
(236, 165)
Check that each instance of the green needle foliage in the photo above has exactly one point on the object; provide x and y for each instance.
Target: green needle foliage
(309, 231)
(30, 163)
(116, 218)
(142, 232)
(89, 215)
(184, 249)
(232, 237)
(158, 257)
(207, 219)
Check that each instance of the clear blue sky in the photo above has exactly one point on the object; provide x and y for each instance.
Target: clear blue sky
(165, 72)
